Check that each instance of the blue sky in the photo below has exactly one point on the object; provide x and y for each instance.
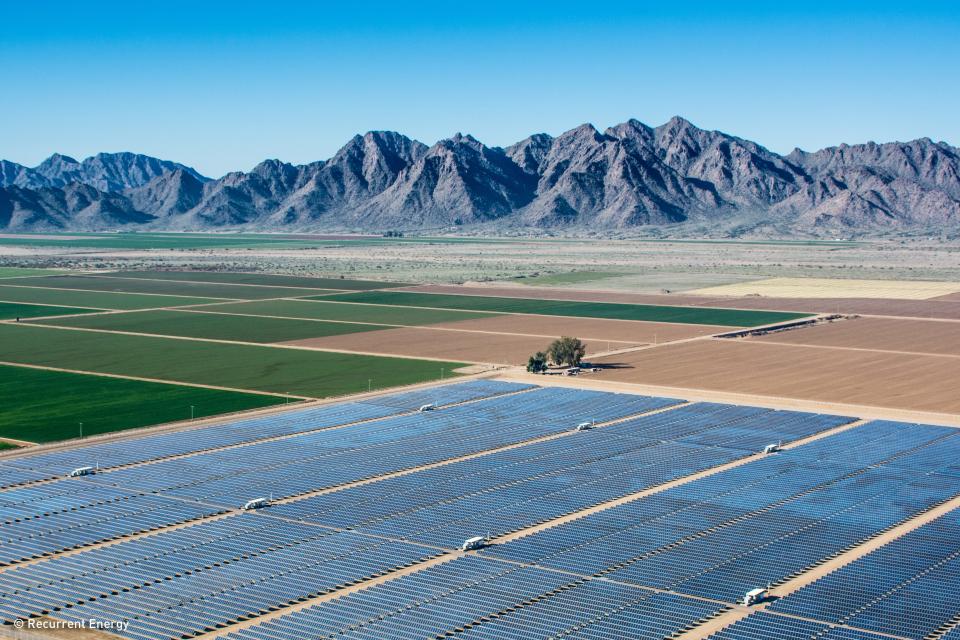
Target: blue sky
(223, 85)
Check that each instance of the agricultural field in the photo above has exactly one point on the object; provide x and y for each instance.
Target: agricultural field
(261, 279)
(13, 310)
(874, 378)
(879, 334)
(588, 329)
(421, 342)
(615, 311)
(94, 299)
(212, 326)
(338, 311)
(834, 288)
(164, 287)
(103, 404)
(315, 374)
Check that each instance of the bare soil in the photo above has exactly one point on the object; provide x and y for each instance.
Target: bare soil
(587, 329)
(882, 334)
(873, 378)
(462, 346)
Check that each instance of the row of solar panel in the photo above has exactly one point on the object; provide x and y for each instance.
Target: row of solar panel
(765, 626)
(164, 445)
(746, 527)
(481, 599)
(907, 588)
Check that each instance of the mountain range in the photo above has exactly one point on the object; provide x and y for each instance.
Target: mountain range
(627, 176)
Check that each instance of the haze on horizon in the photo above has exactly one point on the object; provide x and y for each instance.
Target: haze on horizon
(221, 86)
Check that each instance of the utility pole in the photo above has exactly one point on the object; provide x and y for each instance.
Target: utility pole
(369, 385)
(81, 430)
(191, 412)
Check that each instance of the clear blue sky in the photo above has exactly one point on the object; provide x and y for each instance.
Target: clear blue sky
(223, 85)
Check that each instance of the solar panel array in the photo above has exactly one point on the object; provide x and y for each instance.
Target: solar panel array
(918, 573)
(756, 524)
(482, 599)
(165, 445)
(506, 491)
(656, 565)
(764, 626)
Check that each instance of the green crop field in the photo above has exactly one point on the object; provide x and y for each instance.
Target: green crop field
(7, 445)
(606, 310)
(164, 287)
(213, 326)
(18, 272)
(264, 279)
(102, 404)
(12, 310)
(304, 372)
(316, 310)
(94, 299)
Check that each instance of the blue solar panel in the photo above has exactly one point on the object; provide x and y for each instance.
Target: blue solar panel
(765, 626)
(908, 587)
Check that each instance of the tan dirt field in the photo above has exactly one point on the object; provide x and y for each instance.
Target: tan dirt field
(462, 346)
(587, 329)
(873, 378)
(882, 334)
(833, 288)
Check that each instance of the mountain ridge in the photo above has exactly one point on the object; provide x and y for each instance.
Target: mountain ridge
(627, 176)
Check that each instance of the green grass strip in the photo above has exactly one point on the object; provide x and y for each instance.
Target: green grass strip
(605, 310)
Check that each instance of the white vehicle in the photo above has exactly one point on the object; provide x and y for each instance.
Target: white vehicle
(256, 503)
(80, 471)
(773, 448)
(754, 596)
(477, 542)
(426, 407)
(572, 371)
(583, 426)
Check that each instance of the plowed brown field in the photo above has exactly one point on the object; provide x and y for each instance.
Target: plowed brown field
(884, 334)
(587, 329)
(462, 346)
(876, 378)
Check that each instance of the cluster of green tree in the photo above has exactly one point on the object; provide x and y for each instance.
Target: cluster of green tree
(393, 234)
(564, 351)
